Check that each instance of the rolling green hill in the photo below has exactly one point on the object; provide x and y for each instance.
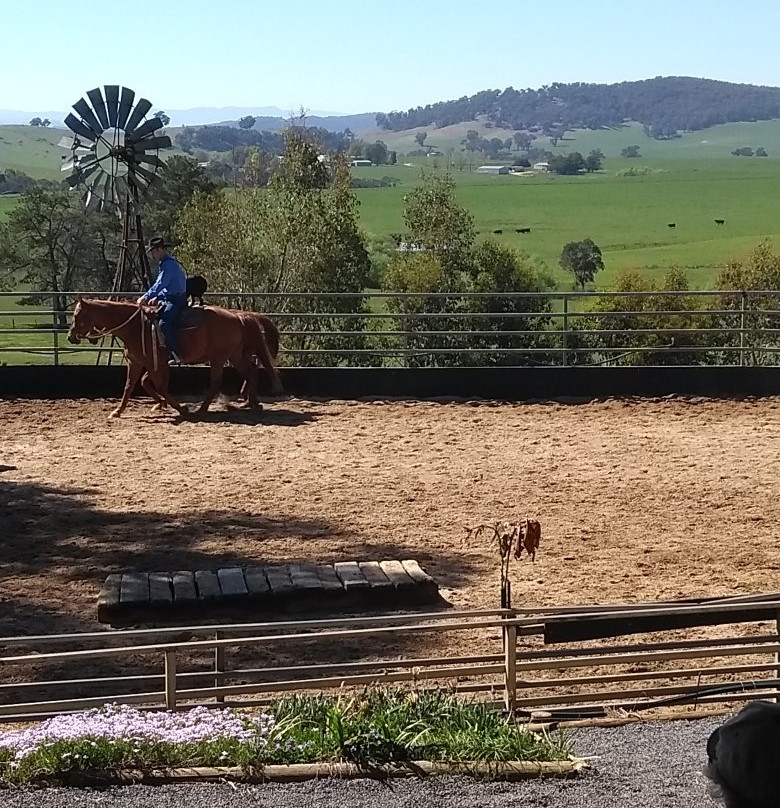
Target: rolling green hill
(33, 150)
(717, 141)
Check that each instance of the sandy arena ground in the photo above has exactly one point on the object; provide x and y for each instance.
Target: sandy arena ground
(638, 500)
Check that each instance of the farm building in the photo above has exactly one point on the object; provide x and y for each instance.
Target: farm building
(493, 170)
(541, 166)
(360, 162)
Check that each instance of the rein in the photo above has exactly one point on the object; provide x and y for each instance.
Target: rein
(104, 332)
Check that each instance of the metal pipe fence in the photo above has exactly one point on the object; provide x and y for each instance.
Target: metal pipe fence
(524, 662)
(509, 329)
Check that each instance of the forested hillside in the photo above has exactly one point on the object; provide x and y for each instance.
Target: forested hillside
(665, 106)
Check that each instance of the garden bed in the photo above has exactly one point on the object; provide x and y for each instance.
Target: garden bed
(380, 733)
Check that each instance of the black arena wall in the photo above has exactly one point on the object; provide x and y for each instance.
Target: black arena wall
(511, 384)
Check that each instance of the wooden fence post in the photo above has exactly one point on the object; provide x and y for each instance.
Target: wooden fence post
(219, 667)
(510, 668)
(170, 679)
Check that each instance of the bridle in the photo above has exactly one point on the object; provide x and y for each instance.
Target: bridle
(95, 333)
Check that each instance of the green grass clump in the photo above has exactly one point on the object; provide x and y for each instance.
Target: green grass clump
(377, 726)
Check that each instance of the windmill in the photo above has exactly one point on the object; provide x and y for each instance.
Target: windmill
(114, 159)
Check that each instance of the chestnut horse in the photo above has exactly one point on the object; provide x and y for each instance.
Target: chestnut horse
(222, 337)
(261, 340)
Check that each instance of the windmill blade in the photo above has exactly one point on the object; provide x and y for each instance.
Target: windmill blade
(151, 159)
(88, 116)
(75, 125)
(91, 200)
(98, 189)
(141, 108)
(112, 102)
(96, 97)
(134, 186)
(81, 163)
(161, 142)
(106, 189)
(82, 176)
(120, 189)
(144, 173)
(125, 106)
(77, 158)
(73, 144)
(152, 125)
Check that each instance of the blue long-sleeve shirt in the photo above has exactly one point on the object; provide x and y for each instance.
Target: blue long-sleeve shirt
(171, 280)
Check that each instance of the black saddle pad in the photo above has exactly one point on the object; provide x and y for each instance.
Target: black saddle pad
(191, 317)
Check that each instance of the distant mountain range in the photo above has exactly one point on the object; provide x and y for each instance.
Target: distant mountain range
(268, 117)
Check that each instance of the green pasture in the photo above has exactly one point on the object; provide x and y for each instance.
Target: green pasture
(6, 203)
(33, 150)
(627, 216)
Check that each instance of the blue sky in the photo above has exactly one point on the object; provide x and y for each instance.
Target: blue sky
(363, 57)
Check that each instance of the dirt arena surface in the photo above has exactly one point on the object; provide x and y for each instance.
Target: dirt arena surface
(638, 499)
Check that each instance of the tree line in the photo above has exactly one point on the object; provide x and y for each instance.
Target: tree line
(664, 105)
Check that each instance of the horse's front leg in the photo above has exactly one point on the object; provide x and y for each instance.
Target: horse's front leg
(159, 379)
(133, 374)
(159, 401)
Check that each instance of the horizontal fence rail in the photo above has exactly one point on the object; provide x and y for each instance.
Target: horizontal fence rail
(511, 329)
(718, 652)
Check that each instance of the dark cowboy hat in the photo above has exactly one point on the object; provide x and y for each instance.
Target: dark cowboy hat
(157, 241)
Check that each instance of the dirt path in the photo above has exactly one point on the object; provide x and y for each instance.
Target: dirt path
(638, 500)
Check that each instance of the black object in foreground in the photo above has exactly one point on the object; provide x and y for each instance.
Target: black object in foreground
(744, 758)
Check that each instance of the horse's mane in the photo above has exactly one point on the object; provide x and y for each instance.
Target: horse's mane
(97, 301)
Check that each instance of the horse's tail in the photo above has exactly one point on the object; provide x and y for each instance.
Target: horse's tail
(258, 342)
(271, 333)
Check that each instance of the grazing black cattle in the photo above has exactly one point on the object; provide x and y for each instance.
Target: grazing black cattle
(498, 232)
(672, 224)
(744, 758)
(522, 230)
(720, 221)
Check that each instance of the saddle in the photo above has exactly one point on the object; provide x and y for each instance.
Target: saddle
(191, 317)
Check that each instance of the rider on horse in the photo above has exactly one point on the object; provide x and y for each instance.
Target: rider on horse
(169, 290)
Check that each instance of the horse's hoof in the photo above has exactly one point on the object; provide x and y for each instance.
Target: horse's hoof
(115, 413)
(157, 407)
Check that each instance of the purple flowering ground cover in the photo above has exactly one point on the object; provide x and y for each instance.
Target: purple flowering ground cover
(117, 736)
